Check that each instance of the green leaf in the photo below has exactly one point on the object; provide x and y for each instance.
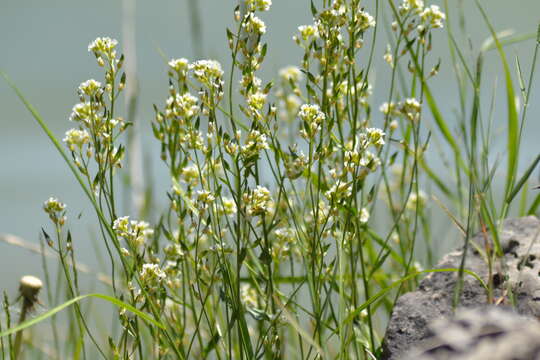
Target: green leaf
(523, 179)
(512, 146)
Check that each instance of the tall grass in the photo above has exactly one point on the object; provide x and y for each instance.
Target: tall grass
(298, 209)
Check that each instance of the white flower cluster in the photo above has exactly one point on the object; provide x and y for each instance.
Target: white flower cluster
(431, 16)
(182, 106)
(151, 275)
(228, 206)
(364, 215)
(104, 47)
(416, 5)
(55, 209)
(434, 16)
(204, 199)
(339, 191)
(258, 201)
(256, 101)
(255, 143)
(254, 25)
(373, 136)
(409, 108)
(190, 174)
(90, 88)
(365, 21)
(87, 113)
(313, 118)
(249, 296)
(290, 73)
(308, 32)
(179, 65)
(296, 167)
(259, 5)
(102, 44)
(358, 160)
(76, 138)
(208, 72)
(134, 232)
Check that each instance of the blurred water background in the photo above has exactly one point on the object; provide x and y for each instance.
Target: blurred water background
(44, 51)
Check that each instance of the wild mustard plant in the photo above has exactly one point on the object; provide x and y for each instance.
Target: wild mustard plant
(267, 230)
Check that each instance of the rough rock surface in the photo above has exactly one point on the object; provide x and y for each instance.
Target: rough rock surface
(483, 333)
(520, 241)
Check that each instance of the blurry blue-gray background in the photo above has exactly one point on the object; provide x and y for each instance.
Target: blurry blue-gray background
(43, 49)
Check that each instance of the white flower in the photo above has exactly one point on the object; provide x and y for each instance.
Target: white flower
(388, 108)
(102, 44)
(255, 143)
(253, 24)
(179, 65)
(55, 209)
(313, 118)
(388, 56)
(76, 138)
(258, 201)
(90, 87)
(208, 72)
(53, 205)
(184, 106)
(308, 32)
(290, 73)
(375, 136)
(416, 5)
(204, 199)
(365, 21)
(364, 215)
(416, 200)
(339, 191)
(85, 112)
(410, 108)
(259, 5)
(152, 274)
(254, 81)
(229, 207)
(190, 174)
(256, 101)
(434, 16)
(135, 232)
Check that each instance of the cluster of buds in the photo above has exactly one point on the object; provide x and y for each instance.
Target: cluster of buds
(414, 16)
(295, 165)
(253, 52)
(409, 108)
(152, 275)
(285, 244)
(254, 144)
(56, 211)
(312, 118)
(258, 201)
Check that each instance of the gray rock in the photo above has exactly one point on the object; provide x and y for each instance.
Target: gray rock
(483, 333)
(518, 277)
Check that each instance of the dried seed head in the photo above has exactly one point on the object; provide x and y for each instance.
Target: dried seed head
(29, 287)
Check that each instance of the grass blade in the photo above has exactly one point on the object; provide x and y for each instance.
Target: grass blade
(70, 302)
(512, 146)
